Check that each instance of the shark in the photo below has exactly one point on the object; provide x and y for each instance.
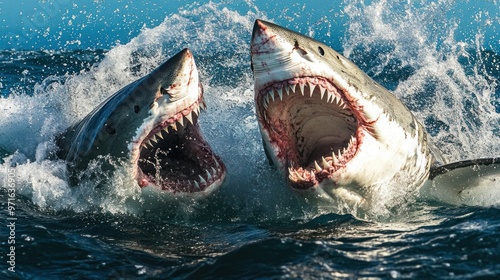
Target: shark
(337, 135)
(152, 125)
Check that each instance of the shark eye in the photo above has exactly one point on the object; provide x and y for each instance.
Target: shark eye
(110, 129)
(321, 51)
(137, 109)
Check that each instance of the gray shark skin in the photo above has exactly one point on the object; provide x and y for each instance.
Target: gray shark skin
(336, 134)
(152, 125)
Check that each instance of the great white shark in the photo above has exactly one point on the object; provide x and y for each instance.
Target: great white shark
(335, 133)
(152, 125)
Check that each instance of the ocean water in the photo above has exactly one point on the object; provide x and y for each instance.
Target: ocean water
(441, 58)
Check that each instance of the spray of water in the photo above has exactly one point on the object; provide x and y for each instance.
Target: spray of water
(444, 81)
(408, 42)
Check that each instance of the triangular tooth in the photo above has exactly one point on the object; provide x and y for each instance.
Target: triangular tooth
(181, 121)
(271, 93)
(340, 154)
(266, 100)
(293, 88)
(209, 176)
(214, 171)
(322, 91)
(311, 89)
(166, 129)
(189, 117)
(216, 162)
(174, 126)
(265, 105)
(280, 93)
(351, 140)
(335, 160)
(202, 180)
(302, 89)
(316, 165)
(299, 176)
(159, 134)
(285, 89)
(153, 138)
(196, 110)
(196, 185)
(325, 163)
(330, 96)
(265, 116)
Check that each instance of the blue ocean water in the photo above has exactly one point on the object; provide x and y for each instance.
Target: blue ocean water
(442, 59)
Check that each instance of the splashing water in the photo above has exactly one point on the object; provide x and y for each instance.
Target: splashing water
(254, 227)
(410, 49)
(451, 86)
(220, 44)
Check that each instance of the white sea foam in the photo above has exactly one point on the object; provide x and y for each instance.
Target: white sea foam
(440, 88)
(219, 38)
(30, 123)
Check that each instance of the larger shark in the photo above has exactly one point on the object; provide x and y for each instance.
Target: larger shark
(335, 133)
(151, 124)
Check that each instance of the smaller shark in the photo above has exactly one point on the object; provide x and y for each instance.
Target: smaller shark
(152, 124)
(336, 134)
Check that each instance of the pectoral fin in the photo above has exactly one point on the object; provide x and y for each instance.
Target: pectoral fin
(471, 182)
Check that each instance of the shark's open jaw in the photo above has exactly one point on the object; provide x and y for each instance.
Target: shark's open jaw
(151, 126)
(175, 157)
(311, 125)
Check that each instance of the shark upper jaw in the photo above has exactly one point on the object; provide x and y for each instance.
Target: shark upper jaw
(169, 152)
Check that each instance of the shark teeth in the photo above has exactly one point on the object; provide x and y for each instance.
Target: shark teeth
(309, 88)
(326, 165)
(209, 178)
(173, 124)
(329, 164)
(202, 181)
(318, 168)
(280, 93)
(159, 134)
(189, 117)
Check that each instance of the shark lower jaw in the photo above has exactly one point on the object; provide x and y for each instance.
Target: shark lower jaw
(174, 156)
(312, 128)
